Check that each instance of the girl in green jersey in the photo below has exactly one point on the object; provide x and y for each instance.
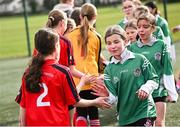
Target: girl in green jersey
(156, 52)
(128, 6)
(131, 32)
(160, 21)
(130, 80)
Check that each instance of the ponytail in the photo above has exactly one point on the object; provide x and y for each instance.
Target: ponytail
(50, 22)
(84, 35)
(54, 17)
(34, 74)
(88, 11)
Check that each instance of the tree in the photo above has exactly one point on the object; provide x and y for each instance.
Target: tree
(49, 4)
(33, 5)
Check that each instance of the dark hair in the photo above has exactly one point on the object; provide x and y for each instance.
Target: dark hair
(115, 29)
(88, 11)
(65, 1)
(55, 16)
(152, 5)
(75, 14)
(45, 41)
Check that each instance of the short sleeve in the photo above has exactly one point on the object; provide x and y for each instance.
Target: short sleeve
(108, 81)
(71, 95)
(23, 97)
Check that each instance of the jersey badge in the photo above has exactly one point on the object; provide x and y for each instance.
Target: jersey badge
(115, 80)
(157, 56)
(137, 72)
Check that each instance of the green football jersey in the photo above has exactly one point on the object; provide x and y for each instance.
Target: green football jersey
(162, 23)
(156, 52)
(123, 80)
(123, 22)
(158, 33)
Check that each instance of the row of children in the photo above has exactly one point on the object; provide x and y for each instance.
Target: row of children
(133, 79)
(146, 33)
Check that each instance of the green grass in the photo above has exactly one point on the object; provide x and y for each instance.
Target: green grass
(13, 35)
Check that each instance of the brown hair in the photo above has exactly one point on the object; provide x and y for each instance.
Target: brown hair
(45, 40)
(65, 1)
(55, 16)
(75, 14)
(88, 11)
(70, 25)
(135, 2)
(152, 4)
(131, 24)
(148, 17)
(115, 29)
(140, 10)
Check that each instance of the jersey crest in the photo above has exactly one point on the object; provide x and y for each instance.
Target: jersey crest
(137, 72)
(115, 80)
(157, 56)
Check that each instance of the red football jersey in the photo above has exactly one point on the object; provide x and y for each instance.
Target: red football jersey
(66, 58)
(49, 107)
(66, 52)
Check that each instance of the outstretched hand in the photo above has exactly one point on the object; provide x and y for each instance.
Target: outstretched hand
(102, 103)
(87, 79)
(100, 90)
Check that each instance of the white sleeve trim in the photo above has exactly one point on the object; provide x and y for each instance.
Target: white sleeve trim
(111, 98)
(149, 86)
(168, 42)
(170, 86)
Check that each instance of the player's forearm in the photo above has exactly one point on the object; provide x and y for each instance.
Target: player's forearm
(76, 73)
(79, 86)
(85, 103)
(149, 86)
(22, 117)
(170, 86)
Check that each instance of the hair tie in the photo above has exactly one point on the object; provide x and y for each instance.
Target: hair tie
(51, 18)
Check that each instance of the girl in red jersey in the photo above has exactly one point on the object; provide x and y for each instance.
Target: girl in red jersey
(57, 20)
(48, 88)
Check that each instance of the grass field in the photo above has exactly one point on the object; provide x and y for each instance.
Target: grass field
(13, 36)
(12, 61)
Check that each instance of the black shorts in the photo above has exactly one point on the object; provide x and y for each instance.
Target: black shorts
(91, 111)
(70, 107)
(160, 99)
(146, 122)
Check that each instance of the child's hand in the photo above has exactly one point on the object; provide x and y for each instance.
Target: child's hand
(100, 90)
(169, 99)
(87, 79)
(102, 103)
(100, 80)
(142, 95)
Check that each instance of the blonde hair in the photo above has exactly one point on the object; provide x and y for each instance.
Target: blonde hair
(131, 24)
(115, 29)
(148, 17)
(70, 25)
(140, 10)
(88, 12)
(54, 17)
(135, 2)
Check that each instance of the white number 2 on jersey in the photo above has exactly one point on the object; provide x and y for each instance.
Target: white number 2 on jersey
(40, 98)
